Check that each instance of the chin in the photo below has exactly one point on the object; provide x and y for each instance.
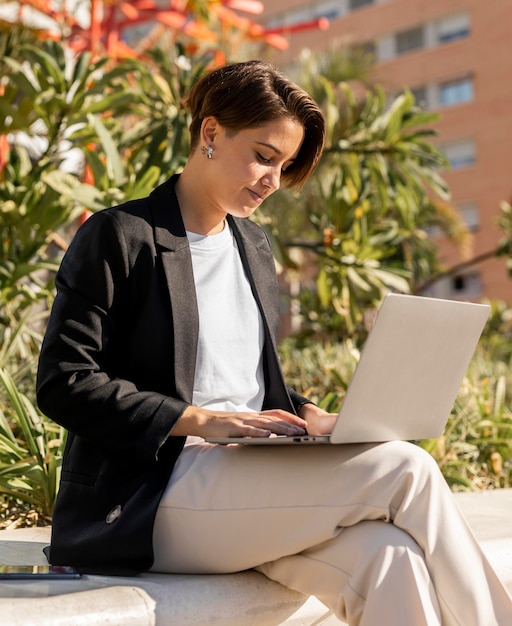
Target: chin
(243, 212)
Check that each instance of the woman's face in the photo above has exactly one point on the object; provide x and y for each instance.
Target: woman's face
(246, 167)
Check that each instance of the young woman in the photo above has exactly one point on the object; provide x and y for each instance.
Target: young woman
(164, 332)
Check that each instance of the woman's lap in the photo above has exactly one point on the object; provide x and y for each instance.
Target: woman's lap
(233, 508)
(278, 509)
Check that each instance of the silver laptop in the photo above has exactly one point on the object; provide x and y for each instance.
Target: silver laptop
(408, 374)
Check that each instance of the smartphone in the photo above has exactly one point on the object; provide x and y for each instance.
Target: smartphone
(38, 572)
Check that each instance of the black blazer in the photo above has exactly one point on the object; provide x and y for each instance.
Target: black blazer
(117, 368)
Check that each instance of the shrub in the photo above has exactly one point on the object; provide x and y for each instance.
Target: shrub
(31, 449)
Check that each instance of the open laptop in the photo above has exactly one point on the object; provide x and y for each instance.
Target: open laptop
(408, 374)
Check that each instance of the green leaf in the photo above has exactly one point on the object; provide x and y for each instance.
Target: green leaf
(49, 64)
(144, 184)
(358, 281)
(324, 291)
(81, 69)
(28, 427)
(114, 164)
(69, 186)
(392, 280)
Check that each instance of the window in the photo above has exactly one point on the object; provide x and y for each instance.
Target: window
(330, 9)
(470, 215)
(366, 50)
(456, 92)
(466, 285)
(357, 4)
(410, 40)
(453, 28)
(330, 14)
(460, 153)
(420, 96)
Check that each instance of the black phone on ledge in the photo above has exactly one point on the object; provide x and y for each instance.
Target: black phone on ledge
(38, 572)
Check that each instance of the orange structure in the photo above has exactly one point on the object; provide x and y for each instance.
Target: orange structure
(108, 20)
(456, 57)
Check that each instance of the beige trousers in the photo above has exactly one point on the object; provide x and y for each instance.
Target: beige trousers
(372, 530)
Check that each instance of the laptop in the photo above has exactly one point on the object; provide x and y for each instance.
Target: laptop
(408, 375)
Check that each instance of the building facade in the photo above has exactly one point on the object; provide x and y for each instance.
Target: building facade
(456, 57)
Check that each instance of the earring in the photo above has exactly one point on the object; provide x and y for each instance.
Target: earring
(208, 151)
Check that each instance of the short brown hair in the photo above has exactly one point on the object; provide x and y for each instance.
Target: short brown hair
(247, 95)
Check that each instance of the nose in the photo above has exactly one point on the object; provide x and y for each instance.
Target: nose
(272, 179)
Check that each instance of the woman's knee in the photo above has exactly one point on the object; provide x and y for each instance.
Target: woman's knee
(411, 458)
(378, 540)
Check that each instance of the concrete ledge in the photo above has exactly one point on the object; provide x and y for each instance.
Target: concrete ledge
(129, 606)
(244, 599)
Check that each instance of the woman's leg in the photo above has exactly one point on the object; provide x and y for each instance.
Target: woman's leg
(375, 572)
(232, 508)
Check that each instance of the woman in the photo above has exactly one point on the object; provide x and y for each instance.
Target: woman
(164, 332)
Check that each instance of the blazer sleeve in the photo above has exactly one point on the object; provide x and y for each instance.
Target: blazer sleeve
(78, 385)
(298, 400)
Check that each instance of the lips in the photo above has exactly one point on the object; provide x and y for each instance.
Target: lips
(255, 196)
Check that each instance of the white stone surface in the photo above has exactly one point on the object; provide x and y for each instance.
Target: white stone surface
(244, 599)
(111, 606)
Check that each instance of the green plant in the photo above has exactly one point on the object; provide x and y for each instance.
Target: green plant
(31, 449)
(125, 124)
(364, 213)
(475, 450)
(124, 127)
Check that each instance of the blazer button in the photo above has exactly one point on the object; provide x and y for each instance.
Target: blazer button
(114, 514)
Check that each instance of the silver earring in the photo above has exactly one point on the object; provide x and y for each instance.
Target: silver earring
(208, 151)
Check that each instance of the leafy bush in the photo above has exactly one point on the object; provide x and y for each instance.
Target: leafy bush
(475, 450)
(31, 449)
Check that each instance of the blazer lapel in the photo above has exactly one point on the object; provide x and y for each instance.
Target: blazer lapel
(259, 263)
(172, 244)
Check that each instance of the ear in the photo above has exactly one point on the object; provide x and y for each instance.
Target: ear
(209, 130)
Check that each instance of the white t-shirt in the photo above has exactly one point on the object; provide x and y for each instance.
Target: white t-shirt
(229, 365)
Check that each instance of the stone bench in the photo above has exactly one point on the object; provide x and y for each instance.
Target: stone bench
(244, 599)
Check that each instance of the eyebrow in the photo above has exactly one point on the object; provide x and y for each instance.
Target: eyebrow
(276, 150)
(269, 145)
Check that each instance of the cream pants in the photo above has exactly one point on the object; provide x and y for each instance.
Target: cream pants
(372, 530)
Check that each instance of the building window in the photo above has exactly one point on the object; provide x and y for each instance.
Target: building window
(410, 40)
(357, 4)
(330, 9)
(366, 50)
(460, 154)
(470, 215)
(330, 14)
(452, 28)
(456, 92)
(466, 285)
(420, 96)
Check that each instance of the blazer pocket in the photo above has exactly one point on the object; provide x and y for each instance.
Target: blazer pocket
(78, 477)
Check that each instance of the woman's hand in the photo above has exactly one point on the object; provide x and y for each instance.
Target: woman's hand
(319, 422)
(205, 423)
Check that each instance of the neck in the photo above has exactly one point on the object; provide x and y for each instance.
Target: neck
(198, 215)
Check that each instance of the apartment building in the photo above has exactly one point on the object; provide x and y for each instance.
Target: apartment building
(456, 57)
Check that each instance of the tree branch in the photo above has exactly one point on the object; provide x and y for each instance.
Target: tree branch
(456, 269)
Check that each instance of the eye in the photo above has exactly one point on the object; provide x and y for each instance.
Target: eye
(262, 159)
